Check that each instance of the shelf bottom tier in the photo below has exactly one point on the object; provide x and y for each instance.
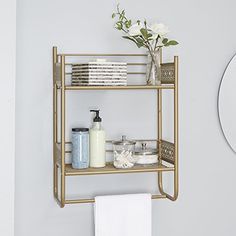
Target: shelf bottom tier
(110, 169)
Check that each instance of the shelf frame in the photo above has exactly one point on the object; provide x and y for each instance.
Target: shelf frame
(63, 171)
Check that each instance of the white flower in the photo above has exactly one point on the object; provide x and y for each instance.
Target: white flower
(135, 29)
(158, 29)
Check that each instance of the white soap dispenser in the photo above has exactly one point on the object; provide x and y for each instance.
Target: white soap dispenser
(97, 142)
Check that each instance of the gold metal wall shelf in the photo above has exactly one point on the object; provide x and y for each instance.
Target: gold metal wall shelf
(167, 151)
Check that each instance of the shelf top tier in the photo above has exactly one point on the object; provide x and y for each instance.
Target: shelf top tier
(136, 70)
(128, 87)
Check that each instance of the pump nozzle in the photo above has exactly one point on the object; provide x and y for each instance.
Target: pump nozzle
(96, 118)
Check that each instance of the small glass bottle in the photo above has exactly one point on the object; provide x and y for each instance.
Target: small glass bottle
(80, 148)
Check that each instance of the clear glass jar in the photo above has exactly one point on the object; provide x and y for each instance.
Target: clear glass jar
(80, 148)
(123, 151)
(145, 155)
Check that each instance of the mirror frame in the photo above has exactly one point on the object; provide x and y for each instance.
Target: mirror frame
(218, 103)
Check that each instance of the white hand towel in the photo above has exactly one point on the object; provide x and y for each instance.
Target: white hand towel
(123, 215)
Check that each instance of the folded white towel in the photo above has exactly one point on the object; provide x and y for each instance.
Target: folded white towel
(123, 215)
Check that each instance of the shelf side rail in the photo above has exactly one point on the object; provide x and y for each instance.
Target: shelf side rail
(55, 112)
(176, 131)
(62, 61)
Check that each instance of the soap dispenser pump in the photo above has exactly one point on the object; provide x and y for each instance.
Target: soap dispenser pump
(97, 118)
(97, 142)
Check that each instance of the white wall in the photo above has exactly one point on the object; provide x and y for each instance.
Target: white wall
(205, 30)
(7, 124)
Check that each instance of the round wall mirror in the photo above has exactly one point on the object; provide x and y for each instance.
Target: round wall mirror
(227, 103)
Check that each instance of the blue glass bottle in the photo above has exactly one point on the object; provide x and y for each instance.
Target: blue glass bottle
(80, 148)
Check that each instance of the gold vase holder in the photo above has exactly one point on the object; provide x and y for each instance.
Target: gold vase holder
(167, 151)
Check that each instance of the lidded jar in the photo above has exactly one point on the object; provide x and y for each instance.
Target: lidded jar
(123, 151)
(80, 148)
(145, 155)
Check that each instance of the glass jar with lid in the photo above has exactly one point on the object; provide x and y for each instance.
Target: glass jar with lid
(123, 151)
(145, 155)
(80, 148)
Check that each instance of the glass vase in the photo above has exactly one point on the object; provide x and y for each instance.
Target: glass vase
(154, 68)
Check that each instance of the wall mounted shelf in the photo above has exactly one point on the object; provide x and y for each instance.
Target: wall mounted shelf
(167, 151)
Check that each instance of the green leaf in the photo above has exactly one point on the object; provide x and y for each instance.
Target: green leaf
(130, 38)
(139, 40)
(119, 25)
(128, 23)
(113, 15)
(165, 40)
(144, 33)
(139, 44)
(122, 15)
(171, 43)
(149, 35)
